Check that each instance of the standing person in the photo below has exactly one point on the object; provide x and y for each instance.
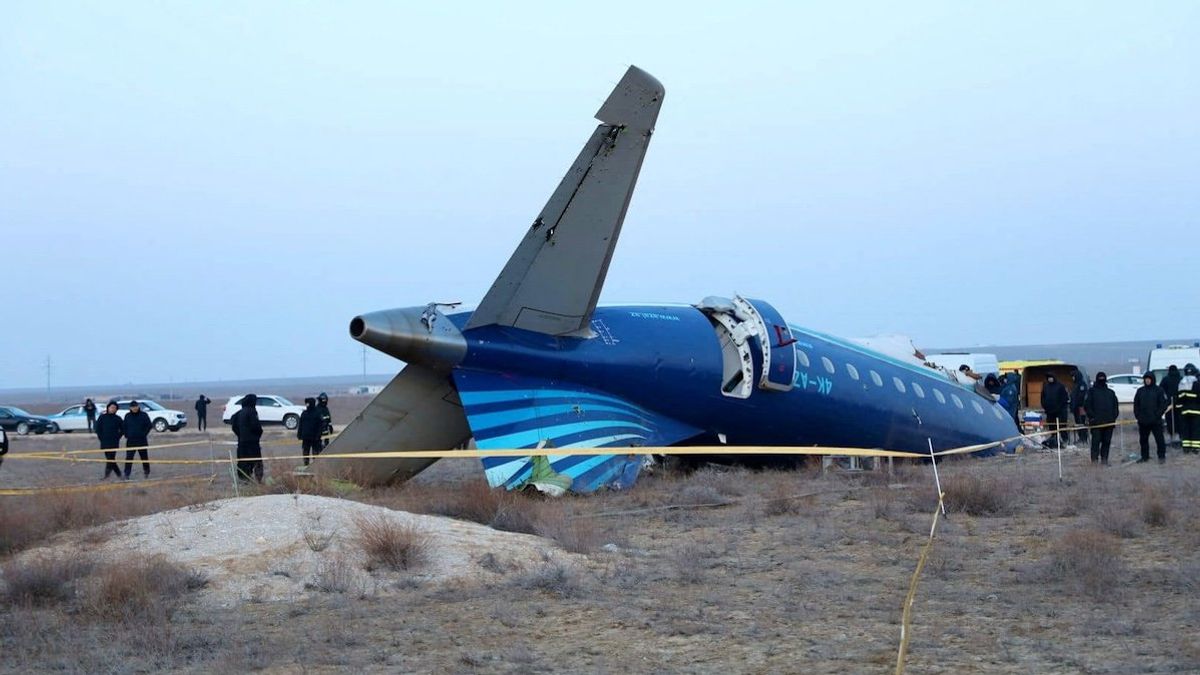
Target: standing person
(89, 409)
(3, 445)
(326, 418)
(1078, 397)
(248, 430)
(137, 438)
(1170, 387)
(1055, 401)
(109, 429)
(1010, 395)
(202, 412)
(309, 430)
(1189, 417)
(1101, 406)
(1149, 404)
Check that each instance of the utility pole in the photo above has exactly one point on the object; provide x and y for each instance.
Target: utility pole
(48, 371)
(364, 364)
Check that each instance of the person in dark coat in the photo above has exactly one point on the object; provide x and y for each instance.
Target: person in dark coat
(137, 438)
(202, 412)
(309, 430)
(3, 445)
(109, 429)
(1010, 395)
(326, 418)
(248, 430)
(1170, 387)
(1149, 404)
(1078, 397)
(1189, 418)
(1055, 402)
(1101, 407)
(89, 409)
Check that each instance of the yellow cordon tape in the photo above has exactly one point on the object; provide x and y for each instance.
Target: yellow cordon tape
(74, 455)
(906, 614)
(103, 487)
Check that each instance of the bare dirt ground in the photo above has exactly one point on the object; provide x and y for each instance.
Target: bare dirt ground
(717, 570)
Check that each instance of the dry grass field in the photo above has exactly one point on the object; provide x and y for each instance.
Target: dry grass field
(714, 570)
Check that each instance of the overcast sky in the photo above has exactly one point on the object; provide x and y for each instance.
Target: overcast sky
(212, 190)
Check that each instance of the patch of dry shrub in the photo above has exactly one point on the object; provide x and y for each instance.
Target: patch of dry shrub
(781, 498)
(391, 544)
(577, 535)
(1089, 560)
(978, 496)
(43, 579)
(27, 520)
(139, 587)
(553, 578)
(1155, 511)
(1118, 520)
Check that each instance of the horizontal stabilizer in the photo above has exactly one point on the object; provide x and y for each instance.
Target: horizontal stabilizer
(521, 412)
(417, 410)
(553, 280)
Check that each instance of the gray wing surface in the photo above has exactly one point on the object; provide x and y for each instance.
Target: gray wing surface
(419, 409)
(553, 280)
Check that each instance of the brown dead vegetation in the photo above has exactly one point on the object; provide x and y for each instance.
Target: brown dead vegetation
(390, 544)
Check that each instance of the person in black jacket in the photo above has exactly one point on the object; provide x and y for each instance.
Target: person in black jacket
(1170, 387)
(248, 430)
(202, 412)
(3, 445)
(326, 418)
(1149, 404)
(137, 438)
(1055, 402)
(89, 409)
(109, 429)
(1101, 406)
(309, 430)
(1078, 398)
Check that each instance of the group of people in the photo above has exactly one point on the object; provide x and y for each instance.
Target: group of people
(314, 429)
(135, 427)
(1177, 400)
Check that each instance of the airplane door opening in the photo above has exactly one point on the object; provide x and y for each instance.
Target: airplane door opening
(741, 328)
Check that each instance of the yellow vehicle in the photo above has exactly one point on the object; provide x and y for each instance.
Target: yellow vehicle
(1033, 377)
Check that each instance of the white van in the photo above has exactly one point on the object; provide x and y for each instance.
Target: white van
(978, 362)
(1161, 358)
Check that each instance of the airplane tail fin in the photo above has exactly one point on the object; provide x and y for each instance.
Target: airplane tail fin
(553, 280)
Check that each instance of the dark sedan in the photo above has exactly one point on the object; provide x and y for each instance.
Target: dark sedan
(15, 419)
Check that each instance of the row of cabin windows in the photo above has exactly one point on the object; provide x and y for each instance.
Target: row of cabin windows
(899, 384)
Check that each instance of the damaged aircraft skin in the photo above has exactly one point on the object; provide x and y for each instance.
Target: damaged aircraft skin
(539, 364)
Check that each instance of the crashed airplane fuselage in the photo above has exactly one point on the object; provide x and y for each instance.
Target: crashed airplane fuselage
(539, 364)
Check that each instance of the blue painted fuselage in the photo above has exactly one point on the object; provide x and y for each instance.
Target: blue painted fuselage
(666, 362)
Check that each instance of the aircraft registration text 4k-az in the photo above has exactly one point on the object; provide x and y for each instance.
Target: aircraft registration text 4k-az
(539, 364)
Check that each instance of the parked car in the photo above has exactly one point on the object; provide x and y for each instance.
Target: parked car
(1125, 386)
(71, 419)
(15, 419)
(271, 410)
(162, 418)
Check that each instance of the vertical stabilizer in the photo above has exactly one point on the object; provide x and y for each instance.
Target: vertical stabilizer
(553, 280)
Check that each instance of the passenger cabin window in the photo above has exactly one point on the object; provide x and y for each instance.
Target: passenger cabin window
(957, 401)
(938, 395)
(899, 385)
(828, 365)
(978, 408)
(853, 371)
(918, 390)
(999, 415)
(876, 379)
(802, 358)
